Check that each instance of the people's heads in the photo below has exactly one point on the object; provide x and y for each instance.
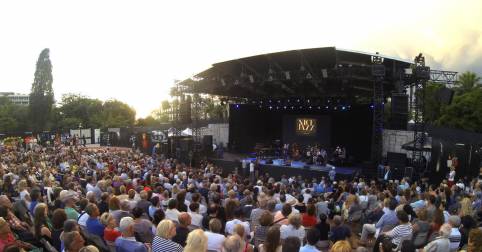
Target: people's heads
(5, 201)
(126, 226)
(125, 205)
(233, 243)
(422, 214)
(90, 248)
(239, 230)
(155, 201)
(295, 220)
(159, 215)
(196, 241)
(40, 212)
(311, 209)
(454, 221)
(184, 219)
(475, 239)
(166, 229)
(402, 216)
(107, 220)
(114, 204)
(71, 225)
(286, 210)
(313, 236)
(392, 204)
(131, 193)
(215, 225)
(4, 227)
(73, 241)
(92, 210)
(341, 246)
(290, 244)
(273, 239)
(323, 218)
(194, 207)
(143, 195)
(386, 245)
(266, 219)
(445, 230)
(137, 212)
(172, 204)
(337, 220)
(407, 246)
(58, 218)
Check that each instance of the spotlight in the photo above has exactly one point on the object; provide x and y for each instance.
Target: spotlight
(279, 101)
(310, 107)
(298, 100)
(270, 107)
(284, 107)
(343, 108)
(237, 106)
(372, 106)
(335, 108)
(260, 106)
(277, 107)
(269, 101)
(319, 107)
(326, 107)
(292, 107)
(308, 101)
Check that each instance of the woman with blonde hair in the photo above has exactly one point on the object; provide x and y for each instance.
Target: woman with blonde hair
(42, 224)
(294, 228)
(110, 232)
(162, 242)
(341, 246)
(466, 208)
(196, 241)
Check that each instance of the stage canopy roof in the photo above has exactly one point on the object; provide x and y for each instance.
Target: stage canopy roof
(307, 73)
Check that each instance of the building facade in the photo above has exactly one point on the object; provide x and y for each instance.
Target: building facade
(17, 99)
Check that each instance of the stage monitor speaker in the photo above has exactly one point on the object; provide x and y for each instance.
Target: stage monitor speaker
(399, 111)
(445, 95)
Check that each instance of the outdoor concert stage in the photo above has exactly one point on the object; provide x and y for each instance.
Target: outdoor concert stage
(230, 162)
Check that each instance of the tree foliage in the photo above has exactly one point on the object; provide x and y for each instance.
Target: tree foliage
(467, 82)
(42, 93)
(465, 112)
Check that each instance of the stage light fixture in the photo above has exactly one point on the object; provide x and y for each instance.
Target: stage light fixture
(292, 107)
(335, 108)
(308, 76)
(327, 107)
(310, 107)
(343, 108)
(237, 106)
(277, 107)
(301, 107)
(251, 78)
(279, 101)
(308, 101)
(270, 107)
(284, 107)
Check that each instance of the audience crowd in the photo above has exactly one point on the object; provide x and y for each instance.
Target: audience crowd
(68, 198)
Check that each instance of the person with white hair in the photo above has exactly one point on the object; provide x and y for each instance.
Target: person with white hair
(441, 243)
(127, 242)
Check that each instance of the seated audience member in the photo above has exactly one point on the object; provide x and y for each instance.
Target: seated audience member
(324, 229)
(291, 244)
(240, 230)
(294, 228)
(182, 229)
(7, 238)
(312, 238)
(215, 238)
(110, 231)
(93, 223)
(339, 231)
(143, 228)
(73, 241)
(196, 241)
(162, 242)
(196, 218)
(387, 221)
(172, 213)
(233, 243)
(342, 246)
(238, 219)
(272, 242)
(127, 242)
(442, 242)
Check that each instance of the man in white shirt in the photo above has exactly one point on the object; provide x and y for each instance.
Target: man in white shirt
(196, 218)
(172, 213)
(238, 219)
(215, 239)
(455, 235)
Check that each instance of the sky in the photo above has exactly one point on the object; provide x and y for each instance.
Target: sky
(134, 50)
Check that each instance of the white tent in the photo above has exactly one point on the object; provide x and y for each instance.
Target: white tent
(186, 132)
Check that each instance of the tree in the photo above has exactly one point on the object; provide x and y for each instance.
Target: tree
(13, 118)
(75, 109)
(42, 93)
(433, 106)
(467, 82)
(465, 112)
(149, 121)
(116, 114)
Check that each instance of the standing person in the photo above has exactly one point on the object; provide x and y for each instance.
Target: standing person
(215, 238)
(451, 177)
(442, 242)
(332, 174)
(182, 230)
(127, 242)
(93, 224)
(272, 242)
(291, 244)
(294, 228)
(73, 241)
(251, 172)
(312, 237)
(110, 231)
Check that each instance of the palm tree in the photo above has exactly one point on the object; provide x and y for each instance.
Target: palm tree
(467, 82)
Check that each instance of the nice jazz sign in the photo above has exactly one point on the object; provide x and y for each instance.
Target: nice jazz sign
(306, 126)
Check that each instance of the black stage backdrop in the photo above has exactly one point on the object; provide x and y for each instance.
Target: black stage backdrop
(249, 124)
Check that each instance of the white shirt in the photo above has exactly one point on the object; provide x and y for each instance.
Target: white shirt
(89, 187)
(230, 226)
(289, 230)
(83, 219)
(215, 241)
(452, 176)
(196, 219)
(251, 167)
(172, 214)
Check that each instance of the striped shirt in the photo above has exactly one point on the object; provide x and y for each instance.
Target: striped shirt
(400, 232)
(160, 244)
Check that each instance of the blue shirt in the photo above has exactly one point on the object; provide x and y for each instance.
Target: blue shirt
(95, 227)
(123, 244)
(309, 248)
(388, 219)
(31, 209)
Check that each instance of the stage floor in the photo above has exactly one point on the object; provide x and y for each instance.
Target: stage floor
(231, 161)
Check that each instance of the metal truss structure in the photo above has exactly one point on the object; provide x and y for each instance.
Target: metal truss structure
(378, 73)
